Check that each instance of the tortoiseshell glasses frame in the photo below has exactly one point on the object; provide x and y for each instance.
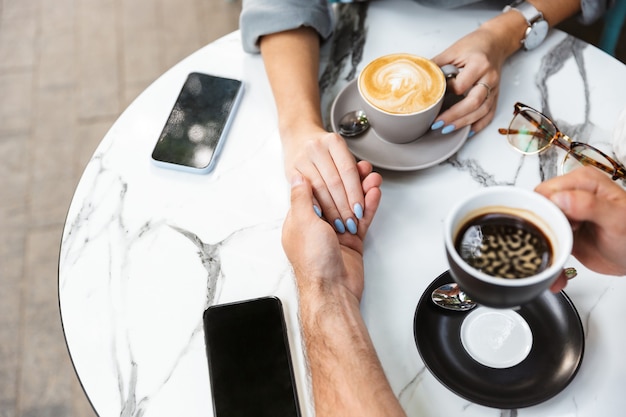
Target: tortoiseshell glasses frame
(531, 132)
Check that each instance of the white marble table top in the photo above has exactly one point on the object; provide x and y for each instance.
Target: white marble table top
(146, 250)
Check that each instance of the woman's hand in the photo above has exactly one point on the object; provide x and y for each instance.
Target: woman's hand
(480, 56)
(479, 81)
(292, 63)
(324, 159)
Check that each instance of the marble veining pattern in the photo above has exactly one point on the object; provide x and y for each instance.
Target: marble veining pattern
(126, 242)
(344, 52)
(346, 45)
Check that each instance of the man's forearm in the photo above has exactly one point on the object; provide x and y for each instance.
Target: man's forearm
(347, 377)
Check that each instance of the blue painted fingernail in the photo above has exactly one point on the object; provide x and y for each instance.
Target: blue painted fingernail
(437, 125)
(358, 211)
(448, 129)
(317, 210)
(351, 225)
(339, 226)
(471, 133)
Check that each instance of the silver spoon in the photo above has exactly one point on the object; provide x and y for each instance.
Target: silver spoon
(451, 297)
(353, 123)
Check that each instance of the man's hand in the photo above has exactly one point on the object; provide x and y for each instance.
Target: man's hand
(596, 207)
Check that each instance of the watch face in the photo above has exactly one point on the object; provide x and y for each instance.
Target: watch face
(536, 34)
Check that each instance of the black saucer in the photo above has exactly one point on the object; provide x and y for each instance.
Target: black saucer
(553, 361)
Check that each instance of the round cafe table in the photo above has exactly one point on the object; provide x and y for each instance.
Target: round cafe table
(145, 250)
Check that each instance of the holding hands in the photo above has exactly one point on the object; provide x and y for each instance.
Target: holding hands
(325, 160)
(347, 377)
(320, 257)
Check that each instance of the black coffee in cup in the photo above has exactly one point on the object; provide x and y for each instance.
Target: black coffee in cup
(504, 245)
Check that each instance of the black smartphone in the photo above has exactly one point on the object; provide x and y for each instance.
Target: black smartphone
(250, 365)
(198, 123)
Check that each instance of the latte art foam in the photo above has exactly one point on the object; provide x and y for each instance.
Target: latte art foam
(402, 83)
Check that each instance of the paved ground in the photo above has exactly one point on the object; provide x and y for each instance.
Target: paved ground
(68, 68)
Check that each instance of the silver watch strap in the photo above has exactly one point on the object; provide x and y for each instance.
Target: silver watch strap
(527, 10)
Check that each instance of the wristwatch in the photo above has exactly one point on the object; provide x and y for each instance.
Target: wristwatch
(537, 26)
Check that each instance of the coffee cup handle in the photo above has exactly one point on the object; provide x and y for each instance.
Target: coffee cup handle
(449, 71)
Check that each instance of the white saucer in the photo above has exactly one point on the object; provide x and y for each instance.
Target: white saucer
(496, 338)
(429, 150)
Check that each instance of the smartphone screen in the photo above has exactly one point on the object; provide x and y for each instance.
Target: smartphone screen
(250, 364)
(195, 130)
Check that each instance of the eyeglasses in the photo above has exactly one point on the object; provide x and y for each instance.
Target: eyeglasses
(531, 132)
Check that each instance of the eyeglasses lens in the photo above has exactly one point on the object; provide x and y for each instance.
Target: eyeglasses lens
(582, 154)
(530, 132)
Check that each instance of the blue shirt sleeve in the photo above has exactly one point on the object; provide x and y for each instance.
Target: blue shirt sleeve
(592, 10)
(264, 17)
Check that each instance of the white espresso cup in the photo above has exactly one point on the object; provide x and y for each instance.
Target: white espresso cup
(402, 95)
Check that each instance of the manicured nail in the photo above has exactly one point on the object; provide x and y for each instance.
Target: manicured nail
(570, 272)
(448, 129)
(339, 226)
(317, 210)
(351, 225)
(471, 133)
(358, 211)
(437, 125)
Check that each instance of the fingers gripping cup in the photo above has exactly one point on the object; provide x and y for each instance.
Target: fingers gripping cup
(402, 95)
(506, 245)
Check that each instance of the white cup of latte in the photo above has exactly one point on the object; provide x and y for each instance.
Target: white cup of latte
(402, 95)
